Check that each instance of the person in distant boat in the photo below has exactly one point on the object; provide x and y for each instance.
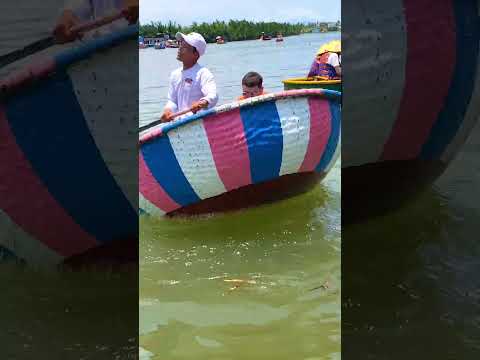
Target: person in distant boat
(327, 62)
(192, 86)
(77, 11)
(252, 85)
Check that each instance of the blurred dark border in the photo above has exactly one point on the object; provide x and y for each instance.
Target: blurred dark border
(410, 250)
(63, 300)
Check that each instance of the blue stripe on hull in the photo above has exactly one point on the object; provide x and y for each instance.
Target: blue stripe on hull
(333, 139)
(461, 88)
(6, 255)
(160, 159)
(50, 128)
(263, 132)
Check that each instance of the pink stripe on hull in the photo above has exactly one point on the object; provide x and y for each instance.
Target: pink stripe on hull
(28, 74)
(429, 71)
(228, 143)
(152, 190)
(320, 128)
(30, 205)
(152, 134)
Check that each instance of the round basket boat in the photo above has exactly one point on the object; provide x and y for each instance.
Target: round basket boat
(242, 154)
(406, 116)
(312, 83)
(66, 141)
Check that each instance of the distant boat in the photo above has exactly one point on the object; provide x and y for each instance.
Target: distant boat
(312, 83)
(220, 40)
(160, 45)
(149, 41)
(172, 43)
(279, 38)
(265, 37)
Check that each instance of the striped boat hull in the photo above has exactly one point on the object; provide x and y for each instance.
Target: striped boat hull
(240, 154)
(414, 99)
(64, 190)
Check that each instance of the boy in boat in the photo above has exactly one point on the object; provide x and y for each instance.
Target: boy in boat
(78, 11)
(192, 86)
(252, 85)
(327, 62)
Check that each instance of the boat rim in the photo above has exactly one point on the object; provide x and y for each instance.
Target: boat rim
(34, 72)
(304, 81)
(162, 129)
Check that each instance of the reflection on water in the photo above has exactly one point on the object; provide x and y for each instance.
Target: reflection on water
(67, 315)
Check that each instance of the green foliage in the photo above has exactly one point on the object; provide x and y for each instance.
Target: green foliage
(233, 30)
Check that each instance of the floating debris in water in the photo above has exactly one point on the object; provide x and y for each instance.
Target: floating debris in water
(324, 286)
(238, 283)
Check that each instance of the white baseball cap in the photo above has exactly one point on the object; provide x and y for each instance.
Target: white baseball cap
(194, 39)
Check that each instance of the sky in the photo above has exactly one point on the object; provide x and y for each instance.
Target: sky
(184, 12)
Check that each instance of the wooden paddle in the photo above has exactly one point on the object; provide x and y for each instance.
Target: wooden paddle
(47, 42)
(156, 122)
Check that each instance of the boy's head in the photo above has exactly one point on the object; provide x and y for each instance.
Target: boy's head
(252, 84)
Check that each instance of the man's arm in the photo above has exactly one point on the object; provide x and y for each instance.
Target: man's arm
(172, 102)
(62, 31)
(74, 12)
(130, 10)
(313, 69)
(209, 89)
(334, 60)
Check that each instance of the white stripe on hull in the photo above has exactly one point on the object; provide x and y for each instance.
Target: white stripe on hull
(148, 207)
(99, 100)
(295, 120)
(374, 78)
(25, 246)
(194, 155)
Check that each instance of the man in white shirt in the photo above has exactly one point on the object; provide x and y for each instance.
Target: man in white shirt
(78, 11)
(192, 86)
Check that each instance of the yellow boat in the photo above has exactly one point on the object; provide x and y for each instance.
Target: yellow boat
(313, 82)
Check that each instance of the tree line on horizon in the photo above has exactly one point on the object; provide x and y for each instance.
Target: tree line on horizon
(233, 30)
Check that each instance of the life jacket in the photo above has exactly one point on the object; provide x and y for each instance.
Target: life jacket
(325, 70)
(243, 97)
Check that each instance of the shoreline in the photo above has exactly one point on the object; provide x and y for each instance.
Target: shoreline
(272, 39)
